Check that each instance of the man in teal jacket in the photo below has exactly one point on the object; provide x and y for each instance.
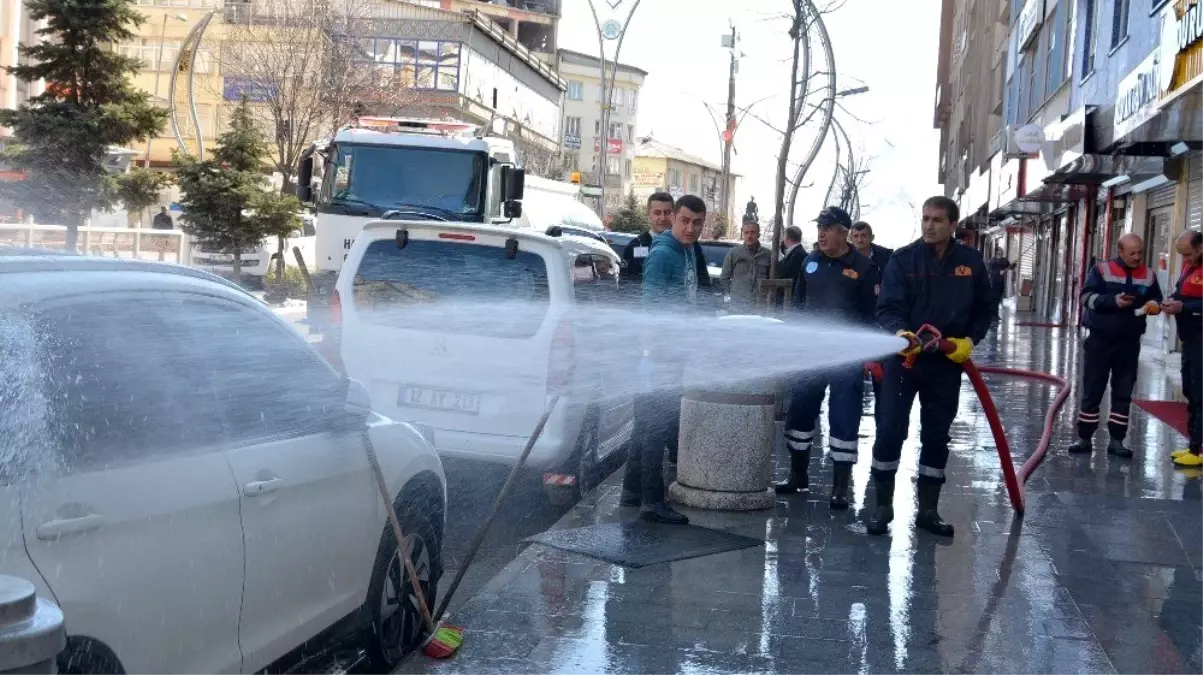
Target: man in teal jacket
(670, 284)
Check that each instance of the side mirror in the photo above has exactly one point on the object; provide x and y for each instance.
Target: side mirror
(513, 183)
(305, 177)
(358, 403)
(512, 209)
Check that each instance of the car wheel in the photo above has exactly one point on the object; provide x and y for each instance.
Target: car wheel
(583, 465)
(82, 656)
(394, 621)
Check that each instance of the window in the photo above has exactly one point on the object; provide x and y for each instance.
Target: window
(614, 165)
(615, 131)
(146, 50)
(628, 168)
(597, 127)
(674, 178)
(572, 126)
(631, 133)
(601, 95)
(594, 279)
(1089, 34)
(1119, 22)
(409, 64)
(178, 3)
(693, 183)
(449, 182)
(1058, 35)
(576, 90)
(616, 96)
(631, 96)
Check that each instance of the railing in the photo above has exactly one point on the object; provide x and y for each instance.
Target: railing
(116, 242)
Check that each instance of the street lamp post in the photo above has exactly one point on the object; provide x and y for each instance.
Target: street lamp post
(805, 166)
(158, 70)
(608, 30)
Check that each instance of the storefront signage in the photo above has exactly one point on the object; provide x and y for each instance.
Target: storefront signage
(1029, 138)
(572, 141)
(649, 179)
(1030, 18)
(1139, 93)
(1190, 26)
(1181, 46)
(1065, 141)
(613, 146)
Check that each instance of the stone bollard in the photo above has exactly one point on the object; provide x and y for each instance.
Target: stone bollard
(725, 453)
(31, 629)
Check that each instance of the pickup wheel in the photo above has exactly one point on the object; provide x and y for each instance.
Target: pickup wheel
(583, 464)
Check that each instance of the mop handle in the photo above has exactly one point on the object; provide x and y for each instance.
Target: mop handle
(505, 490)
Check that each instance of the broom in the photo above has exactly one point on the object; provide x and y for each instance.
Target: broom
(445, 640)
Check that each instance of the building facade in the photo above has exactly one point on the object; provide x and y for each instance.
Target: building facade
(533, 23)
(583, 135)
(663, 167)
(1094, 111)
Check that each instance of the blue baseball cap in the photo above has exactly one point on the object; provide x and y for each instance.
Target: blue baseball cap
(834, 216)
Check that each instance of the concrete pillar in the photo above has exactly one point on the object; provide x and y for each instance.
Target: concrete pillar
(725, 455)
(31, 629)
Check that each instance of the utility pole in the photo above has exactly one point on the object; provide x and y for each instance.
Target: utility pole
(729, 133)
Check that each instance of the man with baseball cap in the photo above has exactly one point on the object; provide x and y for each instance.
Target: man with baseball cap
(835, 283)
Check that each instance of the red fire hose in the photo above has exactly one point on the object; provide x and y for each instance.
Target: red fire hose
(931, 340)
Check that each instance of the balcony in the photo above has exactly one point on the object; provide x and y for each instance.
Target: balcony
(943, 106)
(547, 7)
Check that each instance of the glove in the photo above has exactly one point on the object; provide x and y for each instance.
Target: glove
(964, 348)
(873, 369)
(913, 347)
(1151, 309)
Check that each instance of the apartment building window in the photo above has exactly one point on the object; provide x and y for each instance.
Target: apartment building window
(614, 165)
(1119, 22)
(572, 126)
(631, 133)
(409, 63)
(576, 90)
(146, 50)
(178, 3)
(632, 95)
(597, 127)
(1090, 25)
(674, 178)
(694, 182)
(1059, 67)
(629, 168)
(615, 131)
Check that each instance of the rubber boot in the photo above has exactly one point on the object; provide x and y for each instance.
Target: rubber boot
(799, 480)
(884, 515)
(1116, 447)
(839, 486)
(1082, 446)
(928, 518)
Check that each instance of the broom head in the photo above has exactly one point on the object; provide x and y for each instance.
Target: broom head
(445, 642)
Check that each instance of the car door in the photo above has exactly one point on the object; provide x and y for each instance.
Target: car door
(310, 510)
(132, 516)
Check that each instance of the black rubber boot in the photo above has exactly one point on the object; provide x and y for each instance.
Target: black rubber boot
(799, 480)
(884, 515)
(1082, 446)
(928, 518)
(629, 499)
(1116, 447)
(663, 513)
(839, 486)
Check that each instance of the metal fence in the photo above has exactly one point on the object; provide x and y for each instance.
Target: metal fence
(116, 242)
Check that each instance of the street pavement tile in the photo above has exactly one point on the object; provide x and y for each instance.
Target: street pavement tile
(997, 654)
(1153, 660)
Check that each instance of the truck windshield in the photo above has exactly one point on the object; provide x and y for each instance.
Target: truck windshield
(448, 182)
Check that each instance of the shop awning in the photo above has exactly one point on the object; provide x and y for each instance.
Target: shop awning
(1097, 169)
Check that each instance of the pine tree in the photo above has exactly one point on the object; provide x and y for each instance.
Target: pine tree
(630, 218)
(140, 189)
(226, 201)
(61, 137)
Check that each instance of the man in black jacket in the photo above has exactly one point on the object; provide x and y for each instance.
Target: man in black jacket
(862, 239)
(660, 216)
(940, 282)
(795, 254)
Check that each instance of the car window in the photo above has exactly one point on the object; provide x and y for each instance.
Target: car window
(269, 384)
(594, 278)
(411, 287)
(715, 254)
(116, 391)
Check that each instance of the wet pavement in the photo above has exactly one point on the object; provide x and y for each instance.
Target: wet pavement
(1102, 575)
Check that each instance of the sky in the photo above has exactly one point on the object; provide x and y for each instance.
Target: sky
(886, 45)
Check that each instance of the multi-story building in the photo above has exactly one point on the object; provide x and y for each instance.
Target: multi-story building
(1101, 106)
(663, 167)
(18, 29)
(533, 23)
(584, 137)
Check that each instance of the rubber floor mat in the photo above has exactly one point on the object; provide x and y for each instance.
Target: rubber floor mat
(640, 543)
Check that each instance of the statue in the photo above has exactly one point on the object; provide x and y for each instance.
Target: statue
(751, 211)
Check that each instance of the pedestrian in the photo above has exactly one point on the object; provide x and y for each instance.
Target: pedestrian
(794, 254)
(840, 284)
(862, 238)
(162, 220)
(939, 282)
(745, 266)
(660, 218)
(998, 266)
(670, 285)
(1113, 293)
(1186, 304)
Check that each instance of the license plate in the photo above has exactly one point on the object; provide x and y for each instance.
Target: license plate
(438, 399)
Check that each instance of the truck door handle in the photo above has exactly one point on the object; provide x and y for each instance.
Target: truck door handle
(53, 529)
(257, 488)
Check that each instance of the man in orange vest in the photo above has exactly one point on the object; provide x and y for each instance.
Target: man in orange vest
(1118, 294)
(1186, 303)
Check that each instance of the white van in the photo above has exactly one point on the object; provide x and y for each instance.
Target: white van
(470, 329)
(548, 203)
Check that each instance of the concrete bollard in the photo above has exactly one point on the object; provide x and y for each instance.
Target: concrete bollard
(31, 629)
(725, 453)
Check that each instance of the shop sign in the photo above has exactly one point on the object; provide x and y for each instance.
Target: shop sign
(1030, 18)
(1005, 180)
(649, 179)
(1139, 93)
(613, 146)
(1181, 45)
(1065, 141)
(572, 141)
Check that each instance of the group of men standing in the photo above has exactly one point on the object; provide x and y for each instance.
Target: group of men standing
(932, 282)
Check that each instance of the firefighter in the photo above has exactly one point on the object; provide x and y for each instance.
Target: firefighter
(1186, 303)
(837, 283)
(1118, 294)
(938, 281)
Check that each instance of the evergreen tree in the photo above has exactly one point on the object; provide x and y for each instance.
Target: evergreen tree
(631, 217)
(140, 189)
(61, 137)
(718, 229)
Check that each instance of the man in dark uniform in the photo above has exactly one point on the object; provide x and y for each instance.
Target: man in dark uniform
(862, 239)
(1118, 294)
(836, 283)
(940, 282)
(1186, 304)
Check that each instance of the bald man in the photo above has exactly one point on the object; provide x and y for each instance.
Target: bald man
(1118, 295)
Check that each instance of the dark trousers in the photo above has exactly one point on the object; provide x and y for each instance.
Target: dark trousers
(843, 412)
(657, 418)
(1105, 359)
(937, 382)
(1192, 386)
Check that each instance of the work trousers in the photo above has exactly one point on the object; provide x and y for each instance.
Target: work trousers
(657, 418)
(1192, 386)
(937, 382)
(843, 411)
(1106, 359)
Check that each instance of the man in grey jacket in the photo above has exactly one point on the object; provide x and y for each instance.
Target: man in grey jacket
(745, 266)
